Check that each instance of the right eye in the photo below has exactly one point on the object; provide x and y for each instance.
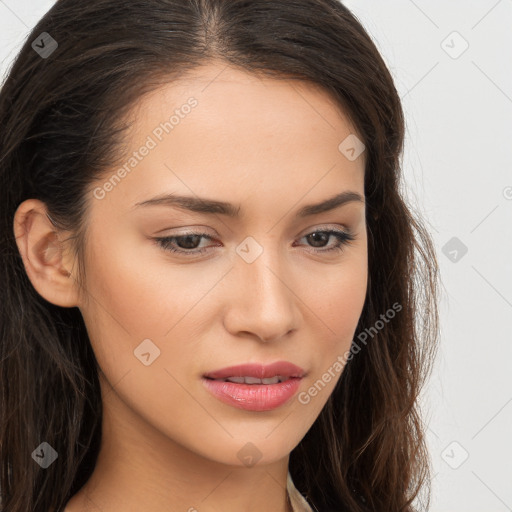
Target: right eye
(188, 239)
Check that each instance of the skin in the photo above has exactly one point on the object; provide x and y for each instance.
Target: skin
(270, 146)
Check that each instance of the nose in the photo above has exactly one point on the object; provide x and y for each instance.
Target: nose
(262, 302)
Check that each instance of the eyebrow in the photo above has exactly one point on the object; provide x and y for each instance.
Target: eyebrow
(210, 206)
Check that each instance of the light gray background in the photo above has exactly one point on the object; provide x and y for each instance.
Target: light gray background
(458, 168)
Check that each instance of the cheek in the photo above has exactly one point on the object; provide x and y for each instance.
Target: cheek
(124, 305)
(347, 302)
(134, 294)
(337, 306)
(338, 301)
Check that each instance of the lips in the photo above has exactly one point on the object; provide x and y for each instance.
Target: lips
(254, 373)
(255, 387)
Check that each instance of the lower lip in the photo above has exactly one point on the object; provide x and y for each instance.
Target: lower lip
(253, 397)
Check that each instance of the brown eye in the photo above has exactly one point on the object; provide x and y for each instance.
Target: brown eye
(183, 244)
(319, 238)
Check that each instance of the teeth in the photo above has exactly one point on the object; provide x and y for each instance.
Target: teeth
(255, 380)
(238, 380)
(252, 380)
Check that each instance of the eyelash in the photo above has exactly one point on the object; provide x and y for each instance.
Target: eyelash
(344, 238)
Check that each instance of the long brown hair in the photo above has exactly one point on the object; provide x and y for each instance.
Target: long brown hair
(61, 128)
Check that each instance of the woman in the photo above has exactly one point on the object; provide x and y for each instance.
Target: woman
(215, 296)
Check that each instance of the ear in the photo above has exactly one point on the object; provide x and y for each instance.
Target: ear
(47, 260)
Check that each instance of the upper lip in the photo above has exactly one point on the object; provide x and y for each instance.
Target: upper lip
(260, 371)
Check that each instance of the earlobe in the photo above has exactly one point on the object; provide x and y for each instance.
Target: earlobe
(43, 254)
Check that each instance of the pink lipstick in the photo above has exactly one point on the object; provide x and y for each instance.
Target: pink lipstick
(255, 387)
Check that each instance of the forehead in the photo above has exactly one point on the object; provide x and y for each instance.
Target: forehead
(231, 101)
(223, 133)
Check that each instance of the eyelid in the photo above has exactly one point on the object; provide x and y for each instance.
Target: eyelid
(196, 230)
(326, 227)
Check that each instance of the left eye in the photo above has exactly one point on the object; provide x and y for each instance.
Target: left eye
(188, 241)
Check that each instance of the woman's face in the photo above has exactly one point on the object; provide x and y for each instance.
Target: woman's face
(269, 286)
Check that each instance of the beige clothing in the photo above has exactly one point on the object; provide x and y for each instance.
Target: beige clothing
(299, 503)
